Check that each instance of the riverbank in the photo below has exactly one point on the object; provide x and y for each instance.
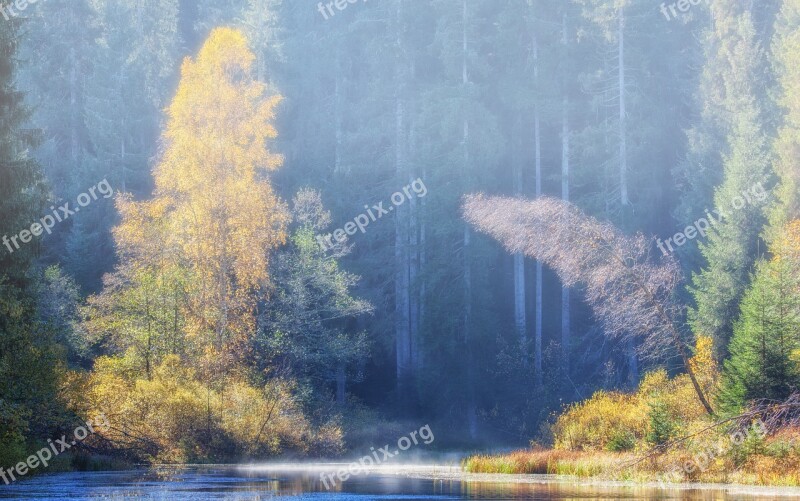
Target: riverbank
(600, 484)
(774, 464)
(662, 432)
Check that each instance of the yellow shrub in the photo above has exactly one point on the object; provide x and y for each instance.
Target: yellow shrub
(613, 420)
(595, 424)
(174, 417)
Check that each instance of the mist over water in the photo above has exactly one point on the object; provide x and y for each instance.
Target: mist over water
(300, 481)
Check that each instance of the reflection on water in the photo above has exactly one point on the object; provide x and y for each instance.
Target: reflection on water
(387, 482)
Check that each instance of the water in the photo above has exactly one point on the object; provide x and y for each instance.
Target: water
(302, 482)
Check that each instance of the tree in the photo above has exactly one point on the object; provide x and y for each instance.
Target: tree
(764, 348)
(30, 361)
(305, 328)
(57, 87)
(764, 358)
(628, 293)
(200, 248)
(786, 56)
(621, 133)
(180, 312)
(22, 189)
(732, 245)
(124, 105)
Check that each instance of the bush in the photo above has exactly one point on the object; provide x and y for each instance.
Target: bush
(621, 441)
(13, 427)
(173, 417)
(652, 415)
(607, 420)
(662, 425)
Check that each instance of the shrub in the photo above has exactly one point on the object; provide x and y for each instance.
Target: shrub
(621, 441)
(654, 414)
(594, 424)
(13, 427)
(662, 425)
(173, 417)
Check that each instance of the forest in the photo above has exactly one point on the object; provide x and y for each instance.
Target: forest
(243, 230)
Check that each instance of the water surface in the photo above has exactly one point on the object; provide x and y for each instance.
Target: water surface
(303, 482)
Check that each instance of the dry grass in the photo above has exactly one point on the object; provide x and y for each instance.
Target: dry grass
(541, 461)
(776, 462)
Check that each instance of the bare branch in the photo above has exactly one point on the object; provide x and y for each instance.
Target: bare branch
(629, 293)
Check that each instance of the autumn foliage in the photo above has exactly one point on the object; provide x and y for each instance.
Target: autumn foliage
(616, 421)
(179, 311)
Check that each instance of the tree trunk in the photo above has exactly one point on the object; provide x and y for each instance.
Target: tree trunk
(73, 103)
(419, 360)
(472, 413)
(565, 152)
(337, 115)
(537, 369)
(519, 302)
(402, 331)
(623, 125)
(633, 365)
(520, 314)
(413, 275)
(565, 296)
(341, 381)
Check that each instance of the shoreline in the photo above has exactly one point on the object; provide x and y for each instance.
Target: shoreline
(456, 473)
(543, 478)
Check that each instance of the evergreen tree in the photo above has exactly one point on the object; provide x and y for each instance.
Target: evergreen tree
(58, 85)
(30, 365)
(306, 328)
(733, 242)
(764, 358)
(786, 61)
(764, 350)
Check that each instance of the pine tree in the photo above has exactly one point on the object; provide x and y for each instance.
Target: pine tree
(29, 363)
(628, 123)
(22, 189)
(733, 243)
(306, 327)
(786, 62)
(765, 349)
(58, 84)
(764, 358)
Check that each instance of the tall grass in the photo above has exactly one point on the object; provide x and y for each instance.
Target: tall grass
(556, 462)
(777, 464)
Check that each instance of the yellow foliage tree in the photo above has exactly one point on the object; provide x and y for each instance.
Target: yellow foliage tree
(224, 213)
(214, 217)
(193, 261)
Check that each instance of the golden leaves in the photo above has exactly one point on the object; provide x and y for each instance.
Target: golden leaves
(214, 217)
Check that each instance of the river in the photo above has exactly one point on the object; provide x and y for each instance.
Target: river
(390, 482)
